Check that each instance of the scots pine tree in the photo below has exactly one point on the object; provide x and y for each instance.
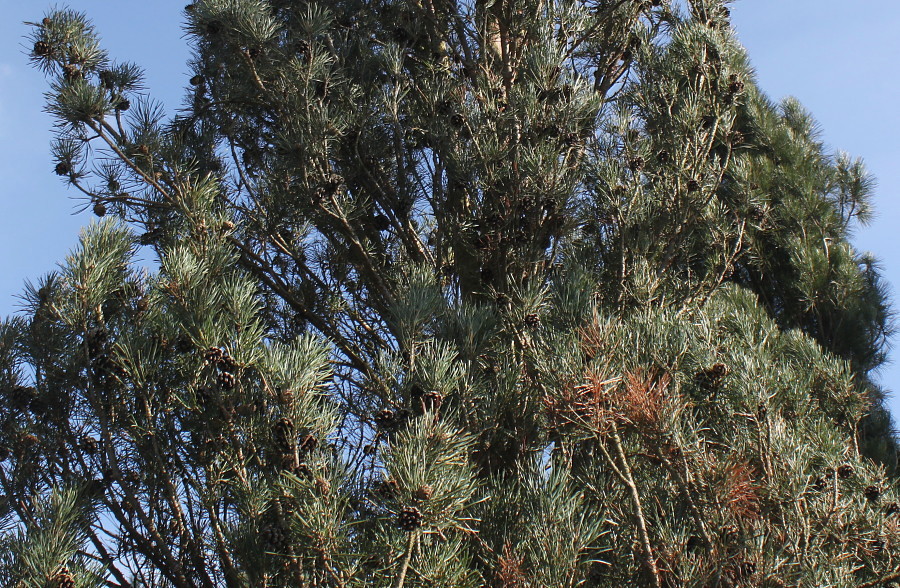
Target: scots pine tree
(505, 293)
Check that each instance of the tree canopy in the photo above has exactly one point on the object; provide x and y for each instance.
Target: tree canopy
(510, 293)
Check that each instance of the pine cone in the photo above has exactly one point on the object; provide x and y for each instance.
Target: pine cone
(845, 471)
(381, 222)
(142, 304)
(107, 79)
(42, 49)
(285, 395)
(532, 320)
(323, 486)
(383, 417)
(39, 407)
(333, 184)
(710, 378)
(227, 380)
(284, 435)
(72, 72)
(213, 355)
(96, 340)
(274, 536)
(409, 519)
(100, 209)
(62, 579)
(735, 86)
(95, 488)
(227, 363)
(26, 441)
(424, 492)
(389, 420)
(388, 488)
(432, 400)
(206, 396)
(872, 493)
(183, 344)
(819, 485)
(20, 397)
(308, 443)
(89, 445)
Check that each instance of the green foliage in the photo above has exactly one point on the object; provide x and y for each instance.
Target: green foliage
(513, 294)
(47, 544)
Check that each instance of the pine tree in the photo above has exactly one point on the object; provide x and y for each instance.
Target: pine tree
(521, 293)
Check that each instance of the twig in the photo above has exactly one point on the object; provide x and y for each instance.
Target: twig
(404, 566)
(623, 472)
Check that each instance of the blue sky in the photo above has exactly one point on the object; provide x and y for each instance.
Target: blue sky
(839, 58)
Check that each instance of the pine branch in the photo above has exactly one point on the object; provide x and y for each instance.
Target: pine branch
(404, 564)
(623, 472)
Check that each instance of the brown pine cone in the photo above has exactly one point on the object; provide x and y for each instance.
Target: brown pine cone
(285, 395)
(308, 443)
(89, 445)
(872, 493)
(227, 363)
(410, 518)
(213, 355)
(323, 486)
(388, 488)
(227, 380)
(432, 400)
(819, 485)
(42, 49)
(389, 420)
(424, 492)
(274, 536)
(284, 434)
(63, 579)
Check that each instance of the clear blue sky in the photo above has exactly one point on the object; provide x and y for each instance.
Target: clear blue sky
(839, 58)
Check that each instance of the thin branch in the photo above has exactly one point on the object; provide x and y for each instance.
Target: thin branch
(404, 565)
